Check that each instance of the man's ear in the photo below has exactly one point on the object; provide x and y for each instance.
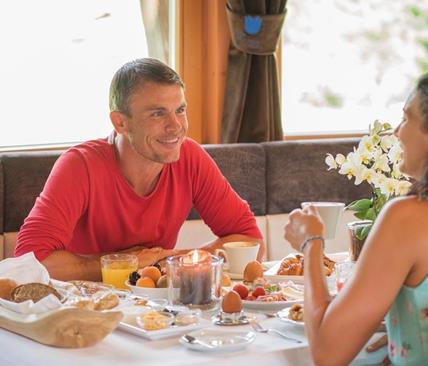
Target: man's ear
(119, 121)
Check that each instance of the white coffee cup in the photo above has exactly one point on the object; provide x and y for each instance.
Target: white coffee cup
(331, 213)
(238, 254)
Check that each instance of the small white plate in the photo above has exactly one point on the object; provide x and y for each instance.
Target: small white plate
(269, 306)
(163, 333)
(218, 341)
(283, 315)
(151, 293)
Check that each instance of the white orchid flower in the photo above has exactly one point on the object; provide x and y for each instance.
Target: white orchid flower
(340, 159)
(351, 166)
(394, 153)
(388, 187)
(365, 157)
(402, 187)
(368, 175)
(387, 141)
(375, 139)
(331, 162)
(376, 161)
(396, 173)
(382, 164)
(378, 180)
(366, 143)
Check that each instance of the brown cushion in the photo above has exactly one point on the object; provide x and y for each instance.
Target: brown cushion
(296, 172)
(24, 175)
(243, 165)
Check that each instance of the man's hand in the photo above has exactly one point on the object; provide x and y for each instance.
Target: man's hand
(150, 256)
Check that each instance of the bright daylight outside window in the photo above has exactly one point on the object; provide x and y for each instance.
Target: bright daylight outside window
(346, 63)
(58, 58)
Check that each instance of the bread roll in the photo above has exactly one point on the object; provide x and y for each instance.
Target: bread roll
(33, 291)
(6, 287)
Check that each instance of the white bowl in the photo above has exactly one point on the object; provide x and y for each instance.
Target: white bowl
(151, 293)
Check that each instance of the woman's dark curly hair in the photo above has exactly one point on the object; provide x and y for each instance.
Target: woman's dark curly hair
(420, 188)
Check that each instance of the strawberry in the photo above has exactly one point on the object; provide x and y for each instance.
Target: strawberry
(259, 291)
(242, 290)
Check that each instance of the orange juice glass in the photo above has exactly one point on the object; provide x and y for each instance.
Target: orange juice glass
(115, 268)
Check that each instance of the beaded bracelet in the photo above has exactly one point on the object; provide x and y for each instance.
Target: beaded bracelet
(307, 240)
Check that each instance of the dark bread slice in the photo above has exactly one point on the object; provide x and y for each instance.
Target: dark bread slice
(33, 291)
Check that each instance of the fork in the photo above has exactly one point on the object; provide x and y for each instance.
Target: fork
(258, 328)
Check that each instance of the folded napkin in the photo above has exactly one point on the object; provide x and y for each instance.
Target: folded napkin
(25, 269)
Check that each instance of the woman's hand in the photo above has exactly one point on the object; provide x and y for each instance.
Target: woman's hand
(303, 224)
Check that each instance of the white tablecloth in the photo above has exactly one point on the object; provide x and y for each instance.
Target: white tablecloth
(121, 348)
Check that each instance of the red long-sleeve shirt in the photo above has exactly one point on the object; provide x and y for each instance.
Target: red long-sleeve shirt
(88, 207)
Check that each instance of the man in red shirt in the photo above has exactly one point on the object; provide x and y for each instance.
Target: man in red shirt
(133, 190)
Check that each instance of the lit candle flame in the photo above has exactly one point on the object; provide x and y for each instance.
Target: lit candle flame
(195, 256)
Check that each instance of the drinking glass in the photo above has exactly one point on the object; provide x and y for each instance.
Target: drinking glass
(343, 271)
(115, 268)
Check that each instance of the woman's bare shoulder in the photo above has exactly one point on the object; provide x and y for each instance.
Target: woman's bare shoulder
(397, 205)
(405, 212)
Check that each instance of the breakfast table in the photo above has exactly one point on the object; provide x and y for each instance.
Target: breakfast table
(121, 348)
(124, 346)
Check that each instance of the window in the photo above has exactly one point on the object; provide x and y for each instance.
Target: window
(58, 58)
(348, 62)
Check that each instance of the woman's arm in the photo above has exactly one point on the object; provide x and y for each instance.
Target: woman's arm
(337, 329)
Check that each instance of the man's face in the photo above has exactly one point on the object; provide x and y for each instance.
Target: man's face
(158, 122)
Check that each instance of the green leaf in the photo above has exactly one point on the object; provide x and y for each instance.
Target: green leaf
(371, 214)
(360, 205)
(362, 232)
(360, 215)
(366, 230)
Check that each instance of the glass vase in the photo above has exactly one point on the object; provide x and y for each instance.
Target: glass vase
(358, 232)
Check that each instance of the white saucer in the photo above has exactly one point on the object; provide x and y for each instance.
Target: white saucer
(218, 341)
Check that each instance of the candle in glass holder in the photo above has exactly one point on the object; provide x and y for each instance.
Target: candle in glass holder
(195, 278)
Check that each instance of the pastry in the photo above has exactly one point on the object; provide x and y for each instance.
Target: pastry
(7, 285)
(294, 266)
(89, 288)
(105, 300)
(296, 313)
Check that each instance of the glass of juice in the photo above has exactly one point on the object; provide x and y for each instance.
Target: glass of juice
(115, 268)
(343, 272)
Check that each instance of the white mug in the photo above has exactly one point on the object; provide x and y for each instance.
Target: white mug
(331, 213)
(238, 254)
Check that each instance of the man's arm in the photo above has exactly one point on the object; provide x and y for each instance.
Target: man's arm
(218, 243)
(66, 266)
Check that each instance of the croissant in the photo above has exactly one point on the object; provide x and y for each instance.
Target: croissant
(294, 266)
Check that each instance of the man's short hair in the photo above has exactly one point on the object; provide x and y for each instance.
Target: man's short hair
(134, 74)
